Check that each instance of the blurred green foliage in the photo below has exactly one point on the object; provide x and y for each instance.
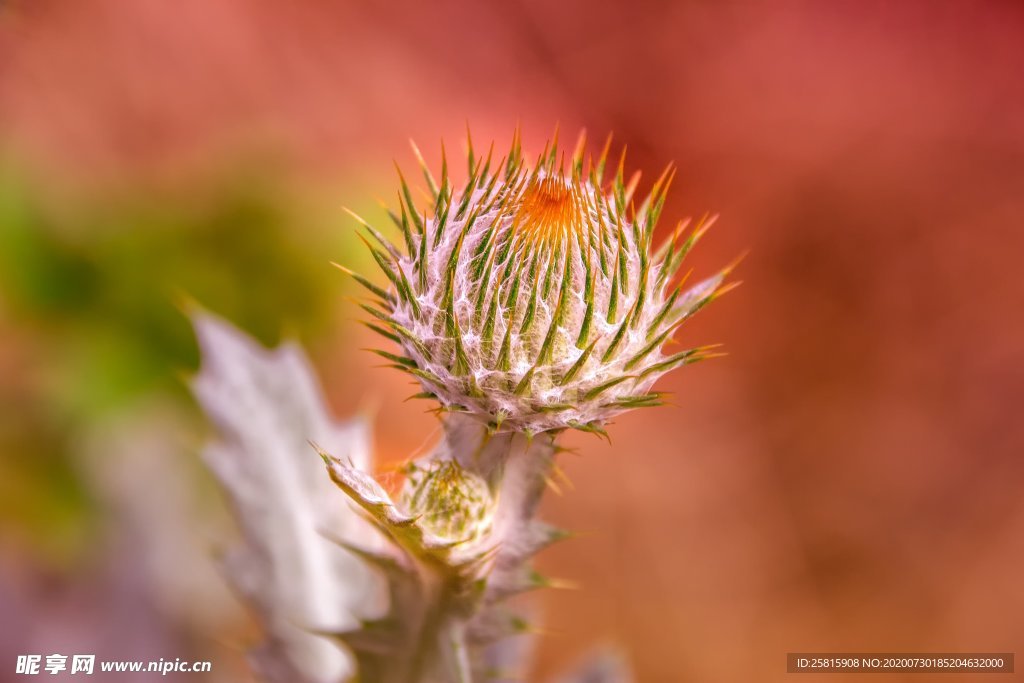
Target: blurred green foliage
(91, 294)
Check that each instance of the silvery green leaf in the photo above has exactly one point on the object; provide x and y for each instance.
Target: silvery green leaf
(267, 407)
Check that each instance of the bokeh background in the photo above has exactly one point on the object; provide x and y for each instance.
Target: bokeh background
(848, 478)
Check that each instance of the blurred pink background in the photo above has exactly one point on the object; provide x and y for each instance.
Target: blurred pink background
(849, 478)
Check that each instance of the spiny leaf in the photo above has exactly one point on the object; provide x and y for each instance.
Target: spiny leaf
(469, 151)
(487, 334)
(407, 195)
(588, 316)
(376, 313)
(648, 400)
(401, 360)
(515, 154)
(442, 220)
(683, 358)
(655, 324)
(553, 154)
(503, 361)
(577, 155)
(597, 173)
(641, 295)
(647, 350)
(553, 407)
(590, 427)
(613, 297)
(426, 169)
(383, 241)
(531, 308)
(384, 333)
(404, 225)
(482, 291)
(634, 182)
(673, 260)
(620, 334)
(623, 258)
(524, 383)
(658, 203)
(461, 364)
(605, 386)
(395, 273)
(559, 315)
(422, 263)
(618, 186)
(426, 376)
(411, 339)
(372, 288)
(578, 365)
(389, 268)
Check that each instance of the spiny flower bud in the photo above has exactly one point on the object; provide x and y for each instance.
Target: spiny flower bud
(450, 501)
(530, 298)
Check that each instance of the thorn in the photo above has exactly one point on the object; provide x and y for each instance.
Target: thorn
(186, 303)
(356, 216)
(553, 485)
(726, 288)
(324, 455)
(735, 262)
(431, 183)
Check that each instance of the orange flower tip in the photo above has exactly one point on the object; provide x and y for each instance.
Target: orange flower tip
(549, 205)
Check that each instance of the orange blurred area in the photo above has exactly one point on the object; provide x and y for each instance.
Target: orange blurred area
(847, 479)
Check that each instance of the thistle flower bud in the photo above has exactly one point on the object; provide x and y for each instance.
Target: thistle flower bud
(450, 501)
(531, 298)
